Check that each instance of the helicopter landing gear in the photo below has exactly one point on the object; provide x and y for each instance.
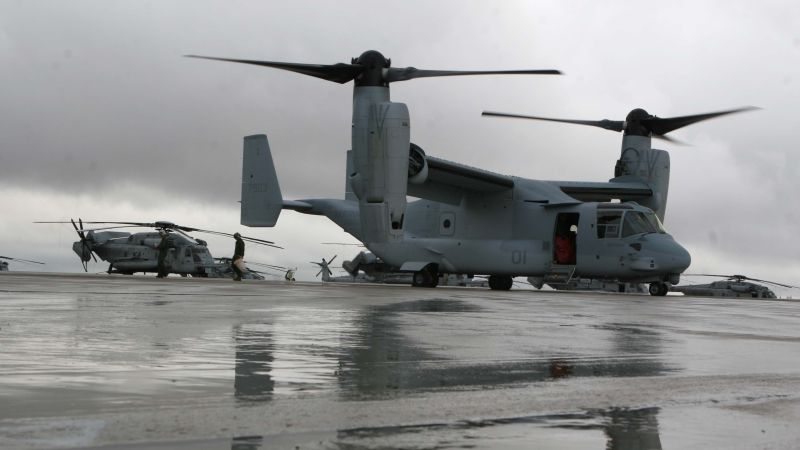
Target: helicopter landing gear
(500, 282)
(427, 277)
(658, 289)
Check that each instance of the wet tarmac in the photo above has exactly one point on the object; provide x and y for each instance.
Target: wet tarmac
(95, 361)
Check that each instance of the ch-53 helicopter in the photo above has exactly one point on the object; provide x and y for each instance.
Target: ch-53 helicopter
(128, 253)
(472, 221)
(4, 264)
(735, 286)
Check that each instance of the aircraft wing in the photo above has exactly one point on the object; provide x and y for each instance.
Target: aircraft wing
(448, 181)
(603, 192)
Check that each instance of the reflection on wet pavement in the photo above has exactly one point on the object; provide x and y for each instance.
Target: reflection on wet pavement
(182, 346)
(614, 429)
(379, 352)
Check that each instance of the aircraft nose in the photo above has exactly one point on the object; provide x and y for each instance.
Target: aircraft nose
(678, 258)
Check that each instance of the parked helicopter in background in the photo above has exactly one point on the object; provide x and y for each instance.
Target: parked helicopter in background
(4, 264)
(223, 269)
(470, 220)
(735, 286)
(128, 253)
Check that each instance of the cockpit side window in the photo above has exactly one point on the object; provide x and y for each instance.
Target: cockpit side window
(608, 224)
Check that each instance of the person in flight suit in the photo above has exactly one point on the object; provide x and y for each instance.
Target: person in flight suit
(163, 249)
(237, 262)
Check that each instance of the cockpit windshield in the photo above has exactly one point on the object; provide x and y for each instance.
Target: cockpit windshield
(616, 223)
(637, 222)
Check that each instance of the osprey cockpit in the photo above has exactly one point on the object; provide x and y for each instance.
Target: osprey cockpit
(630, 243)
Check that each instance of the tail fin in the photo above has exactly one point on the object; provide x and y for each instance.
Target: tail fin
(261, 194)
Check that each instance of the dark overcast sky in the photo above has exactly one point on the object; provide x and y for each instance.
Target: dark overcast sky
(102, 116)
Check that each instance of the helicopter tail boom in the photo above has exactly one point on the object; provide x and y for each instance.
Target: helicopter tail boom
(261, 195)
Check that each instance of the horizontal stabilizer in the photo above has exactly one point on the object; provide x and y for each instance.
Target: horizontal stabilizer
(261, 194)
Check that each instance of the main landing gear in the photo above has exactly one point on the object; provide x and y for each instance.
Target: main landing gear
(658, 289)
(500, 282)
(427, 277)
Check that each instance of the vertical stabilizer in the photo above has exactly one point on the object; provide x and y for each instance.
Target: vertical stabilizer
(261, 195)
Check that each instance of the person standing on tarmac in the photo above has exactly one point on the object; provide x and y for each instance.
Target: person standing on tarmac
(237, 262)
(163, 249)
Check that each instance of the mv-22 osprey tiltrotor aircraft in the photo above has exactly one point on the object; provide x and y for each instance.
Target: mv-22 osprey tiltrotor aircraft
(128, 253)
(472, 221)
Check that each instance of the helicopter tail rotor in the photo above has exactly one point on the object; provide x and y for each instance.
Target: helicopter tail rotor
(324, 267)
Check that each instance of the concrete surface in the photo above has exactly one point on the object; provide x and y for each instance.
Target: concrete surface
(95, 361)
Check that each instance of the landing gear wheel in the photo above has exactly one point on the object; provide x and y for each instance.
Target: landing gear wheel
(500, 282)
(420, 279)
(426, 277)
(658, 289)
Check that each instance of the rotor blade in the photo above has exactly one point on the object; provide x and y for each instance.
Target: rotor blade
(271, 266)
(220, 233)
(408, 73)
(339, 73)
(261, 242)
(78, 230)
(320, 271)
(708, 275)
(772, 282)
(20, 260)
(91, 252)
(331, 260)
(105, 228)
(132, 224)
(662, 126)
(613, 125)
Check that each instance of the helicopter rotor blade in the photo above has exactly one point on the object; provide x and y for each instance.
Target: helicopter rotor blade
(339, 73)
(78, 230)
(613, 125)
(769, 282)
(657, 126)
(409, 73)
(330, 261)
(343, 73)
(320, 271)
(270, 266)
(220, 233)
(661, 126)
(20, 260)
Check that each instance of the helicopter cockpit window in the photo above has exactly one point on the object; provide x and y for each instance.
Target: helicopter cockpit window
(637, 222)
(608, 224)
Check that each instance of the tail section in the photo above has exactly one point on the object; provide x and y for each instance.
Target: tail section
(261, 194)
(640, 162)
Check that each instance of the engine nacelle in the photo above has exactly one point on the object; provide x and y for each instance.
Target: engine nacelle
(417, 165)
(380, 179)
